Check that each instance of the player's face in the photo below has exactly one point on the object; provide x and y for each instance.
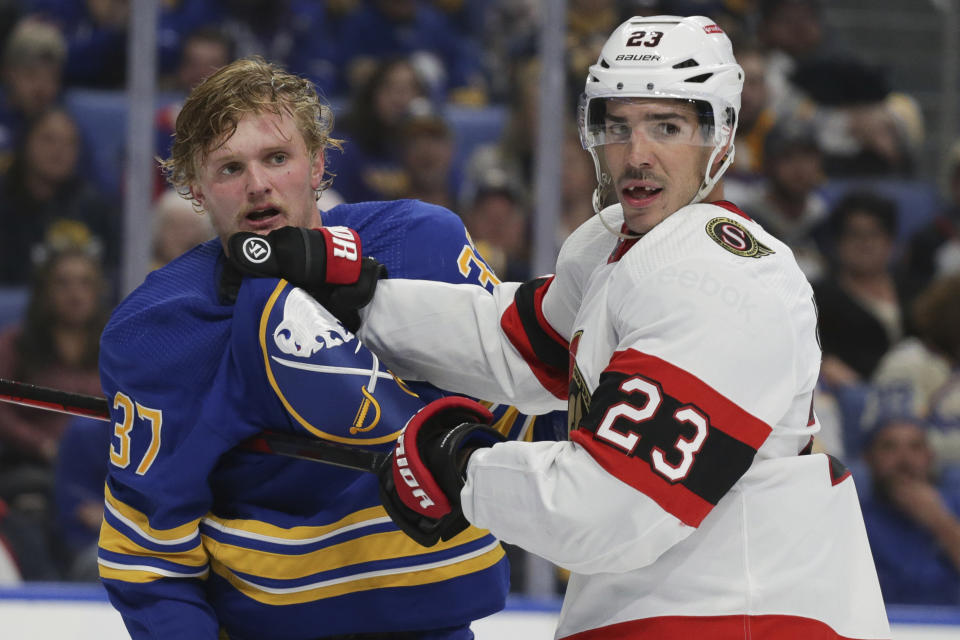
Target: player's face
(661, 167)
(262, 178)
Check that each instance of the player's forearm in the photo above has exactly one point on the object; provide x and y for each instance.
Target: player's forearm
(450, 335)
(554, 500)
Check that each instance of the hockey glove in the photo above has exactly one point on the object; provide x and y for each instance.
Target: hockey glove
(421, 480)
(326, 263)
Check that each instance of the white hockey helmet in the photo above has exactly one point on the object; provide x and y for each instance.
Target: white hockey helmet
(686, 58)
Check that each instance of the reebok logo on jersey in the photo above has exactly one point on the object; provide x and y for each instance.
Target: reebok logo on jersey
(734, 237)
(256, 250)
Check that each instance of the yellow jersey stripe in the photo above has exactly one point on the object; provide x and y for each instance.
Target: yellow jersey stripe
(505, 424)
(399, 577)
(141, 524)
(386, 545)
(266, 532)
(113, 540)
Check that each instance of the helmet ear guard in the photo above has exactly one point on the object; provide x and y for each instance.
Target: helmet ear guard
(666, 57)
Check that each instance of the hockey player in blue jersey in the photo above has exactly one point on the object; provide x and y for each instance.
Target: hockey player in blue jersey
(202, 539)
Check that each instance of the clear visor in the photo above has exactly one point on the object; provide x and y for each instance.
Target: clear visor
(663, 121)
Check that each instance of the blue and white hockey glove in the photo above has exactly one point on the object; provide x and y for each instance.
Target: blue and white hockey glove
(421, 480)
(327, 263)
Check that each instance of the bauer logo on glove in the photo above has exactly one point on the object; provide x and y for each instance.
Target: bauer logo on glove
(420, 482)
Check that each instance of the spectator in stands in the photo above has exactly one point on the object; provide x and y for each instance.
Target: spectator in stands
(96, 34)
(177, 228)
(56, 345)
(862, 306)
(937, 316)
(449, 61)
(295, 33)
(935, 249)
(791, 33)
(912, 520)
(576, 186)
(32, 68)
(786, 202)
(514, 151)
(43, 199)
(864, 128)
(509, 35)
(369, 168)
(921, 376)
(757, 118)
(494, 212)
(204, 51)
(427, 151)
(589, 23)
(78, 495)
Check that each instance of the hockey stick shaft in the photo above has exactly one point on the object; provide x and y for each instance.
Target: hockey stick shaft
(284, 444)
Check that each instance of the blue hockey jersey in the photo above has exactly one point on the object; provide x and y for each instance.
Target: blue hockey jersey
(201, 537)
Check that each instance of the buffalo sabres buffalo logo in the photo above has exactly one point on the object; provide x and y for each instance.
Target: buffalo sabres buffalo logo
(353, 395)
(733, 237)
(307, 327)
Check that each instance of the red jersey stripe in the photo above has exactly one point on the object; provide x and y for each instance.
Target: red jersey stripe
(736, 627)
(675, 499)
(732, 208)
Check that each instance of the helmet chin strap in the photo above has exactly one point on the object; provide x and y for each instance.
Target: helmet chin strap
(709, 182)
(603, 182)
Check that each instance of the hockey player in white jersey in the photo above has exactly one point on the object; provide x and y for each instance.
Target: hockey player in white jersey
(682, 338)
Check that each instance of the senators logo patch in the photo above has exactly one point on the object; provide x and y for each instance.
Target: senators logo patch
(578, 400)
(733, 237)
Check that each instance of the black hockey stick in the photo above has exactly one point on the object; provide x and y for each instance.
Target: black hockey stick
(284, 444)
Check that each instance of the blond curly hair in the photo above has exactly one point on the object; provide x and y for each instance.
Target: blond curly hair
(249, 85)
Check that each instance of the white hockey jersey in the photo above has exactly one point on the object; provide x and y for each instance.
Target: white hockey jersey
(685, 503)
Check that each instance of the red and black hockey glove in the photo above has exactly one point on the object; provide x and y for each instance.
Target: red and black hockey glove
(327, 263)
(421, 480)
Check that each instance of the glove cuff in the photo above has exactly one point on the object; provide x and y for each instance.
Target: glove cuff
(343, 255)
(468, 435)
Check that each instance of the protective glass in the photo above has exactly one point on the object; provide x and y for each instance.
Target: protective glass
(611, 121)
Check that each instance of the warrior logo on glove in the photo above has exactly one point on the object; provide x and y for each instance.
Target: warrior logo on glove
(402, 471)
(327, 263)
(256, 250)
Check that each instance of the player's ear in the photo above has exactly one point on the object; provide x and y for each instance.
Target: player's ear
(316, 169)
(196, 194)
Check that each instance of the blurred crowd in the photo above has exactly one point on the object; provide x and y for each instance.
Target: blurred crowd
(827, 157)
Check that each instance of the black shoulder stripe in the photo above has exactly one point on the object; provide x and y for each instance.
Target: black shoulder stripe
(717, 464)
(545, 347)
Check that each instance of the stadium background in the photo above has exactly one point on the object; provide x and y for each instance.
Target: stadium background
(910, 47)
